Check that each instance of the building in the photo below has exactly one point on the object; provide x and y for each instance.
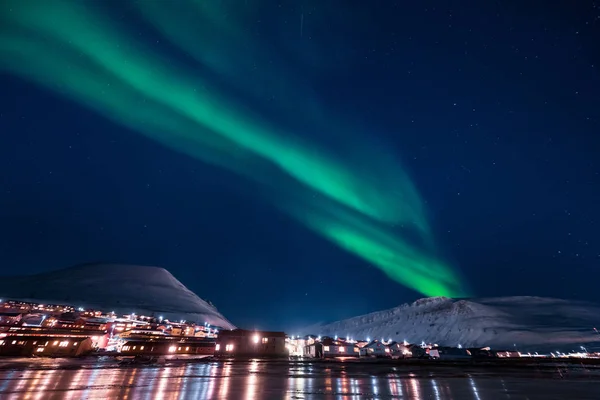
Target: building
(399, 350)
(376, 349)
(244, 343)
(167, 347)
(331, 348)
(450, 353)
(505, 353)
(45, 346)
(10, 318)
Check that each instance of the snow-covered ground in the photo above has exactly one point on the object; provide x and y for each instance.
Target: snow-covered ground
(508, 322)
(124, 289)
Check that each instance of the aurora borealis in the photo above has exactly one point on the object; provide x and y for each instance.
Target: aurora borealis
(355, 195)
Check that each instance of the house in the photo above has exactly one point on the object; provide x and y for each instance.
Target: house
(245, 343)
(417, 351)
(450, 353)
(10, 318)
(331, 348)
(376, 349)
(505, 353)
(399, 350)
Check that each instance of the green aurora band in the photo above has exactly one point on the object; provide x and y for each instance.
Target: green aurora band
(356, 199)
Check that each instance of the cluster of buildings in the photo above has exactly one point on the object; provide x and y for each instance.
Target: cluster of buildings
(34, 329)
(49, 330)
(327, 347)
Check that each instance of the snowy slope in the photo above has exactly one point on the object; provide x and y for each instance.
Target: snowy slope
(113, 287)
(526, 322)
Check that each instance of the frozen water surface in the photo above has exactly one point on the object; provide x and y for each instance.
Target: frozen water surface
(255, 379)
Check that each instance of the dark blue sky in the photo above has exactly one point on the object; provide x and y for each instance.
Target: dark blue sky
(492, 106)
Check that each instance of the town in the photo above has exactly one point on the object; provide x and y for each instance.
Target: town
(29, 329)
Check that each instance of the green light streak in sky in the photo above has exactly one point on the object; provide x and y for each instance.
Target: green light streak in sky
(352, 199)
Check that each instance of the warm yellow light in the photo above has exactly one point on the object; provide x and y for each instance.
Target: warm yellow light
(342, 349)
(325, 348)
(172, 349)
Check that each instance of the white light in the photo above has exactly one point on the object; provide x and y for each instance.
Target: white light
(256, 338)
(368, 339)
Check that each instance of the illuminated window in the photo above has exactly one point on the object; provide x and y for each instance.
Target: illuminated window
(265, 340)
(40, 349)
(56, 342)
(229, 347)
(172, 349)
(142, 348)
(63, 344)
(74, 343)
(356, 350)
(218, 347)
(187, 348)
(342, 349)
(325, 348)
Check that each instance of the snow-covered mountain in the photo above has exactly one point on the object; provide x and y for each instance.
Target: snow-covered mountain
(114, 287)
(524, 322)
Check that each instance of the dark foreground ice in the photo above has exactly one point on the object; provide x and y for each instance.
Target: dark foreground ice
(286, 380)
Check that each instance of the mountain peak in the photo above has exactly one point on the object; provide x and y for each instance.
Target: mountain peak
(119, 287)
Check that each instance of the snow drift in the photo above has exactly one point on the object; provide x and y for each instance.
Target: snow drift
(113, 287)
(508, 322)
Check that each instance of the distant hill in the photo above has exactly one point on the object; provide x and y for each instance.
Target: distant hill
(114, 287)
(524, 322)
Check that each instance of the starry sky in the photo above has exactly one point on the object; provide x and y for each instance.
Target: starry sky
(354, 155)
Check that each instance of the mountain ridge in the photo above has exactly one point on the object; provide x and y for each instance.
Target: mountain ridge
(519, 321)
(120, 287)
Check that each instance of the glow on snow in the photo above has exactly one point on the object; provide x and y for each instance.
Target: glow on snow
(353, 199)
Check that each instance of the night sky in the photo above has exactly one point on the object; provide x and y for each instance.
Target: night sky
(468, 133)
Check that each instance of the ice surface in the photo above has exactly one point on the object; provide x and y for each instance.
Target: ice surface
(121, 288)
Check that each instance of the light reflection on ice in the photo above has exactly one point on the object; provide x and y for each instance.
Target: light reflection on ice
(258, 379)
